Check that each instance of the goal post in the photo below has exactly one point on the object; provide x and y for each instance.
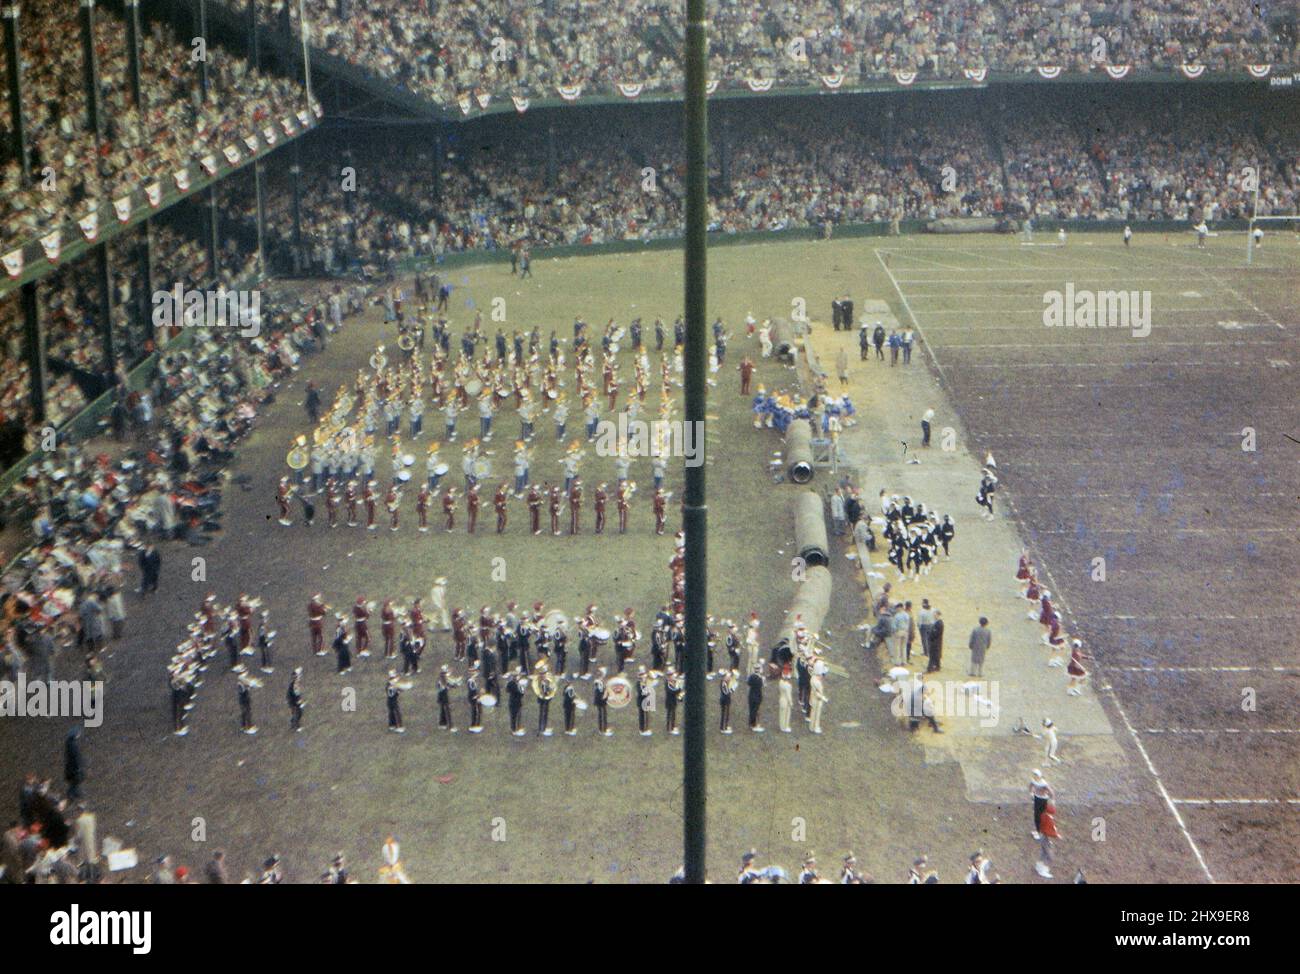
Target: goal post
(1268, 223)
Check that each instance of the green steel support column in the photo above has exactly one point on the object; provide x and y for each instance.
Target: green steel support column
(254, 40)
(214, 236)
(90, 67)
(17, 121)
(204, 79)
(104, 284)
(695, 509)
(133, 50)
(259, 189)
(34, 343)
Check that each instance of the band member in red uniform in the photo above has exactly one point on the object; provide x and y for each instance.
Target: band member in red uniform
(534, 510)
(368, 498)
(331, 501)
(459, 634)
(350, 498)
(393, 502)
(613, 393)
(422, 507)
(418, 627)
(211, 615)
(449, 507)
(575, 507)
(599, 498)
(471, 506)
(555, 502)
(388, 628)
(499, 503)
(282, 495)
(624, 503)
(661, 509)
(361, 626)
(316, 610)
(746, 368)
(244, 612)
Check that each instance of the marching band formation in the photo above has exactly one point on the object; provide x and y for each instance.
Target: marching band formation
(499, 659)
(341, 463)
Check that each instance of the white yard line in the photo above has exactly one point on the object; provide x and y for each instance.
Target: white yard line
(1203, 669)
(1222, 730)
(1160, 785)
(915, 324)
(1237, 801)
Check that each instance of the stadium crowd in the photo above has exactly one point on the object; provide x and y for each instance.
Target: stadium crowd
(173, 127)
(445, 52)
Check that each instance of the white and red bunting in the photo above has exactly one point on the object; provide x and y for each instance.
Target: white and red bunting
(833, 81)
(1193, 70)
(286, 123)
(1118, 71)
(521, 103)
(483, 98)
(13, 262)
(89, 225)
(630, 90)
(569, 92)
(711, 86)
(251, 142)
(209, 164)
(1259, 70)
(1049, 71)
(465, 103)
(153, 193)
(182, 177)
(975, 74)
(268, 134)
(316, 109)
(760, 84)
(304, 119)
(52, 244)
(122, 207)
(904, 77)
(232, 154)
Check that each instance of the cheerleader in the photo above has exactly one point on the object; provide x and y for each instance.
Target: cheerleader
(1026, 569)
(1075, 669)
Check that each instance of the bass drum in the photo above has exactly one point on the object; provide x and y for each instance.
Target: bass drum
(487, 700)
(618, 692)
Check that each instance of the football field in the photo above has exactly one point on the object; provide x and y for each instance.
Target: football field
(1109, 446)
(1155, 479)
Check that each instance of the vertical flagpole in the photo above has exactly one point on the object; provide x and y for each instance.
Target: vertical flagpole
(695, 510)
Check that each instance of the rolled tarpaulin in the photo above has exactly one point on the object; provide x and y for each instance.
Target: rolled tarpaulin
(812, 601)
(810, 529)
(798, 451)
(783, 337)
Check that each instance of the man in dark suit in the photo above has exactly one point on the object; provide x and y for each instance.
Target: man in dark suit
(755, 684)
(150, 562)
(936, 643)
